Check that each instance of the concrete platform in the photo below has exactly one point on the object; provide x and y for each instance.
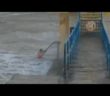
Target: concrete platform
(23, 79)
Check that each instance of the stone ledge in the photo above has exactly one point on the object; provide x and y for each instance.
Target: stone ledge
(21, 79)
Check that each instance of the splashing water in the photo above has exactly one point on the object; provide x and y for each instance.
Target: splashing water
(11, 64)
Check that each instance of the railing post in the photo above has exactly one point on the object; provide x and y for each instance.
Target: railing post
(58, 51)
(65, 62)
(63, 29)
(109, 59)
(69, 47)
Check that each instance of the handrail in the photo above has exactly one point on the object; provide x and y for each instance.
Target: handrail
(106, 43)
(69, 47)
(58, 49)
(42, 52)
(55, 42)
(72, 31)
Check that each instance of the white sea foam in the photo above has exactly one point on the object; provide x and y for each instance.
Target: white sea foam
(11, 64)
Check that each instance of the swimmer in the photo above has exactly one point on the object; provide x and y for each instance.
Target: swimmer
(40, 54)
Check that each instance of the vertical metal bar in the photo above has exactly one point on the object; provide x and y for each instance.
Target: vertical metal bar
(102, 15)
(58, 51)
(69, 48)
(109, 58)
(64, 61)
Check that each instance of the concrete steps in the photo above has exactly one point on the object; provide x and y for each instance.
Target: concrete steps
(90, 63)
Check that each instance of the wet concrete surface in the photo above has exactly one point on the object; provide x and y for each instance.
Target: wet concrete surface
(90, 66)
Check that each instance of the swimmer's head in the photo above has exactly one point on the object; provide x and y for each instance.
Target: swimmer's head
(41, 50)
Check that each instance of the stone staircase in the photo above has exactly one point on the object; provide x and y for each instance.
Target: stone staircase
(89, 65)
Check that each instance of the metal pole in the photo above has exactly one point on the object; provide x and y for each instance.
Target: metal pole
(58, 50)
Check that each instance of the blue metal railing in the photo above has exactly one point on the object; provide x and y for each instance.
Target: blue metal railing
(106, 43)
(69, 48)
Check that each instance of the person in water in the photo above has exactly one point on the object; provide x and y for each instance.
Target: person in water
(40, 54)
